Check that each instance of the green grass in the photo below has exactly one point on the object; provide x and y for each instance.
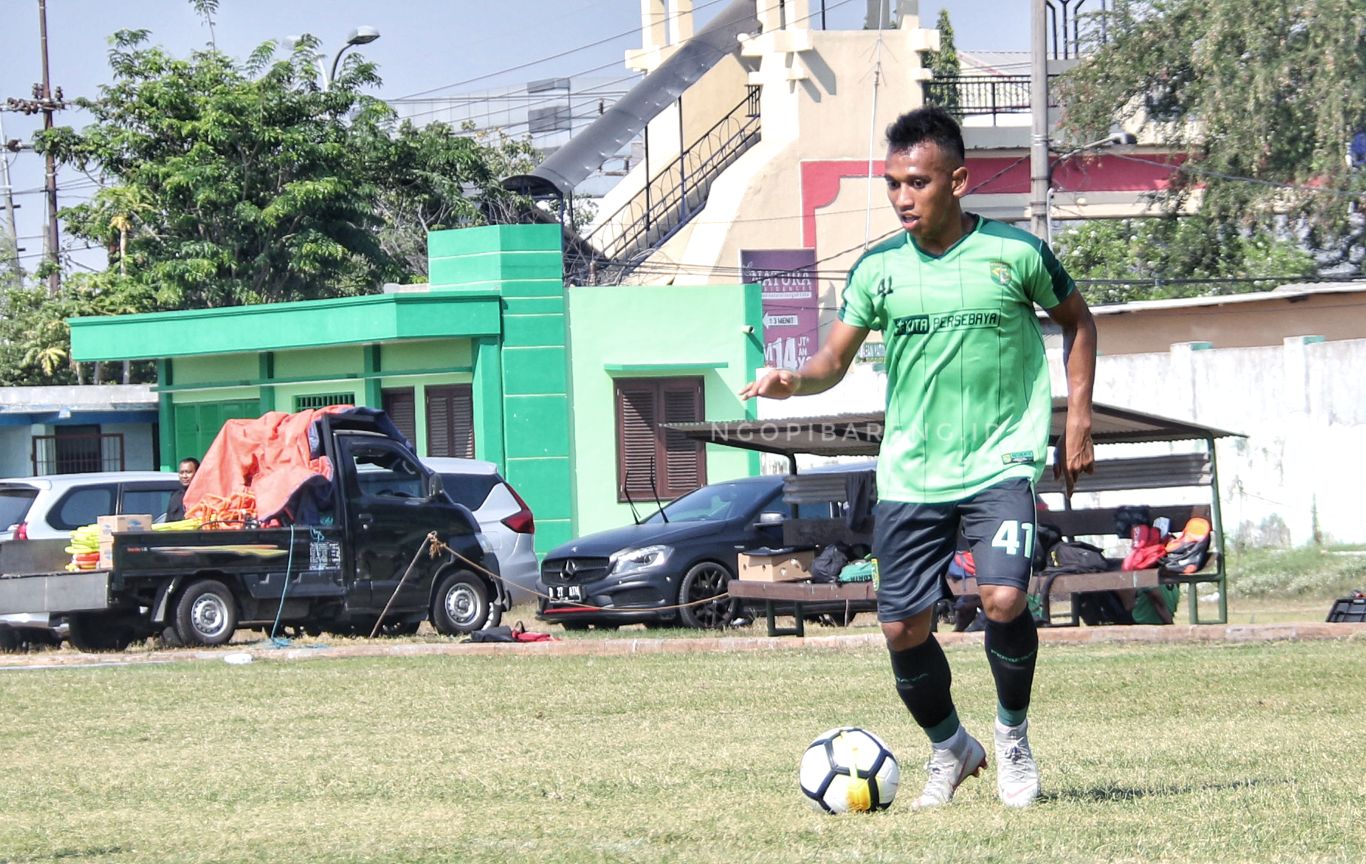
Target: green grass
(1306, 571)
(1150, 753)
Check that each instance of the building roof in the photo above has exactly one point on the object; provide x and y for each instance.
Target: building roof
(282, 326)
(89, 403)
(1289, 293)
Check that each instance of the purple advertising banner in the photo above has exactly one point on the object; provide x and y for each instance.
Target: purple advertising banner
(791, 296)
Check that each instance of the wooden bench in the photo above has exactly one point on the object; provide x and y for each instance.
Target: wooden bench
(1171, 471)
(814, 598)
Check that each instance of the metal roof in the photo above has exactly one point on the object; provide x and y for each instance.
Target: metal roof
(861, 434)
(618, 125)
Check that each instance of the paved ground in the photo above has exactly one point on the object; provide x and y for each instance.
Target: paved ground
(263, 651)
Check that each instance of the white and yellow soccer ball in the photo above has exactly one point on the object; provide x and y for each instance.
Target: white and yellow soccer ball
(848, 769)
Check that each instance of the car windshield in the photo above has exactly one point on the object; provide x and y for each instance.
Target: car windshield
(717, 502)
(14, 504)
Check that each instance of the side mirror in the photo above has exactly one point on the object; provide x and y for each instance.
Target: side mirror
(770, 519)
(435, 487)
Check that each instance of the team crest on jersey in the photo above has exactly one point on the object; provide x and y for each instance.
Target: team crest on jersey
(1001, 274)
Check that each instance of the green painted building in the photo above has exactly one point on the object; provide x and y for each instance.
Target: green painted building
(481, 362)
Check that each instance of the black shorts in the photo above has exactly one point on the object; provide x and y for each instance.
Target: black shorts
(914, 543)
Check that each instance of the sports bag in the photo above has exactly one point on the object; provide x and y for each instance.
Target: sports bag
(1188, 551)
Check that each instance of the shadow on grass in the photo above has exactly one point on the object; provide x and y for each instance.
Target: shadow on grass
(1125, 793)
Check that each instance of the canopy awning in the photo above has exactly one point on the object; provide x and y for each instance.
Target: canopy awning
(861, 434)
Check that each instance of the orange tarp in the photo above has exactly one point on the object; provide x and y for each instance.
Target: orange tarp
(254, 467)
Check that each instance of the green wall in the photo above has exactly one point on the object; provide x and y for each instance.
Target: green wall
(639, 331)
(521, 385)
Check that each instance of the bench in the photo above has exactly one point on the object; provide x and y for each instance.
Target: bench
(814, 598)
(1165, 472)
(817, 491)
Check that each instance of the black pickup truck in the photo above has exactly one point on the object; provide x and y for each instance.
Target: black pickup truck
(339, 573)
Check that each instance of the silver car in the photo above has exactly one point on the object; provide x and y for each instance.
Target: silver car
(38, 514)
(51, 506)
(502, 515)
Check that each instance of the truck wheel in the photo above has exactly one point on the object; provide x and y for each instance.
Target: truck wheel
(461, 605)
(707, 579)
(98, 633)
(205, 614)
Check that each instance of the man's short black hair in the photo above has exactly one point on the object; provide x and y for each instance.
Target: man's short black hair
(193, 461)
(927, 124)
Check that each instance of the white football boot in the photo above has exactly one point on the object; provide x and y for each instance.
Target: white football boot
(948, 768)
(1017, 775)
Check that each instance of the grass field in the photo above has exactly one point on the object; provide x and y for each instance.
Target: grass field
(1150, 753)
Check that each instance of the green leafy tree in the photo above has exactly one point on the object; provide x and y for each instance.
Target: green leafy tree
(945, 67)
(1159, 258)
(1263, 95)
(229, 183)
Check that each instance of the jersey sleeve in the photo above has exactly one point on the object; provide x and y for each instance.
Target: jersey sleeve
(1048, 282)
(858, 309)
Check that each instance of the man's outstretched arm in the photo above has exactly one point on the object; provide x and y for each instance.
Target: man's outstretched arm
(1076, 454)
(819, 373)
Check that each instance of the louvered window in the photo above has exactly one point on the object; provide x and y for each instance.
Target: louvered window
(400, 405)
(450, 421)
(322, 400)
(650, 459)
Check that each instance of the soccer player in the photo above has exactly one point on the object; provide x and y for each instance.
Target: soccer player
(968, 412)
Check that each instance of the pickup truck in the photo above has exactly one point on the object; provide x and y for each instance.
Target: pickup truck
(340, 574)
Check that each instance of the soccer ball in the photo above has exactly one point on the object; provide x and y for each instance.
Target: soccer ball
(848, 769)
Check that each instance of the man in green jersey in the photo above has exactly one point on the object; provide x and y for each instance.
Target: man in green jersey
(966, 433)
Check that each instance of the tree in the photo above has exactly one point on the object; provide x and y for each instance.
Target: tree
(248, 183)
(945, 67)
(229, 183)
(1159, 258)
(1263, 95)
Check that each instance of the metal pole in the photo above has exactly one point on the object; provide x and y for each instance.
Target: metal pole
(8, 190)
(54, 279)
(1038, 109)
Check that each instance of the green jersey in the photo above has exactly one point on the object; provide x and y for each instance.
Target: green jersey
(968, 398)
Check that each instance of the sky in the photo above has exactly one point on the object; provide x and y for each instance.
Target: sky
(446, 46)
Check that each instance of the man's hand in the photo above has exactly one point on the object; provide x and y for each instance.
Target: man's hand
(774, 384)
(1076, 453)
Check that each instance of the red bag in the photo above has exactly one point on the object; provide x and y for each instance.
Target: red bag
(1149, 548)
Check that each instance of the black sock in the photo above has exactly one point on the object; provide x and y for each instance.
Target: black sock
(923, 680)
(1012, 649)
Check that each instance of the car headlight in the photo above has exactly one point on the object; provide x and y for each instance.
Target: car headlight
(484, 542)
(636, 560)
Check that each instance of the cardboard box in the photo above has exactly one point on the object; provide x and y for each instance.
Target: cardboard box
(106, 555)
(111, 525)
(788, 565)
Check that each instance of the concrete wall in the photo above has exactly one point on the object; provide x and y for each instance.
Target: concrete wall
(1296, 477)
(635, 331)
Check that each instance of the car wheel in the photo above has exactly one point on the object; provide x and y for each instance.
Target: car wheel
(205, 614)
(98, 633)
(705, 580)
(461, 605)
(9, 640)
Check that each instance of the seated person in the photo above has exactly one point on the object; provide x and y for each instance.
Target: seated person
(1153, 605)
(175, 506)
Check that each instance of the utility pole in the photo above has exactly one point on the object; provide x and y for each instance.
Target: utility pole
(1038, 110)
(7, 189)
(54, 280)
(46, 102)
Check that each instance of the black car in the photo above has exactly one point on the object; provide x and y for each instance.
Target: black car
(655, 572)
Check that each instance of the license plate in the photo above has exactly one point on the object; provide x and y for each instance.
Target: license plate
(565, 592)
